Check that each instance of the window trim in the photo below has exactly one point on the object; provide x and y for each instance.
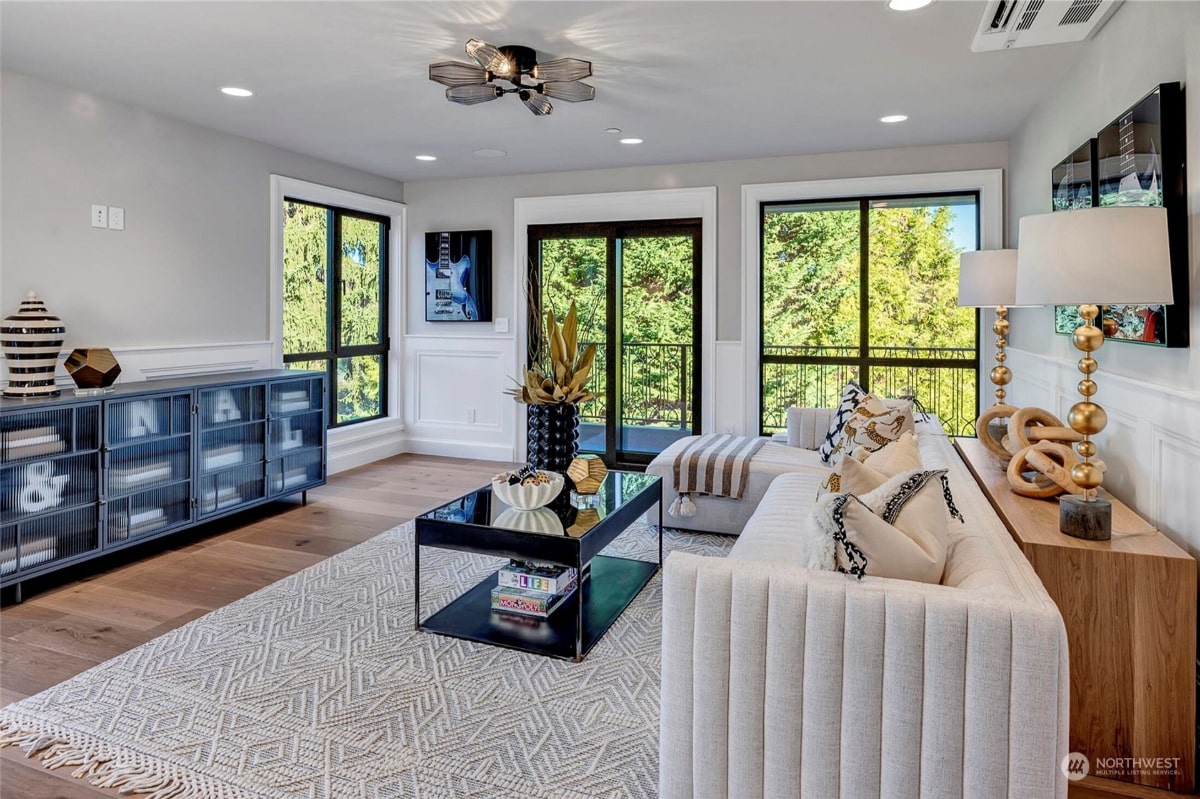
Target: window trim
(292, 188)
(988, 183)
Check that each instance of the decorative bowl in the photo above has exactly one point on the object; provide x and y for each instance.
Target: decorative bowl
(538, 520)
(527, 497)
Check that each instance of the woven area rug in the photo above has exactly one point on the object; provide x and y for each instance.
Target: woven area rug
(318, 687)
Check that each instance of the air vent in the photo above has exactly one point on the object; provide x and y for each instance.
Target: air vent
(1080, 12)
(1031, 12)
(1031, 23)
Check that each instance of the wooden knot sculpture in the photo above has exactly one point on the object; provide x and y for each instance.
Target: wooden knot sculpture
(1039, 446)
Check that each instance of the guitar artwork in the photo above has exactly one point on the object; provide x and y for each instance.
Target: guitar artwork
(446, 296)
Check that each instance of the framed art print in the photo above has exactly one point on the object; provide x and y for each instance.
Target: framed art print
(458, 276)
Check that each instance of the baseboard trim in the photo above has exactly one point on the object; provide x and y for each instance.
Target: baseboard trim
(460, 449)
(360, 445)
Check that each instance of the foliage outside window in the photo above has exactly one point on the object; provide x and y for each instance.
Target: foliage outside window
(335, 267)
(866, 289)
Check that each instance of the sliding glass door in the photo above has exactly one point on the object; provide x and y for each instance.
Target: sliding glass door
(637, 290)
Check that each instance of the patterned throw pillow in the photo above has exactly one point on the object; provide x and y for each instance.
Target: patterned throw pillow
(852, 394)
(866, 470)
(898, 530)
(872, 425)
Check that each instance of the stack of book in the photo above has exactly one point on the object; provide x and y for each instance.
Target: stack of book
(138, 521)
(289, 401)
(138, 475)
(218, 457)
(31, 442)
(533, 589)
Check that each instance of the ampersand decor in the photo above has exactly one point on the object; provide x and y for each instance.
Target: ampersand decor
(43, 489)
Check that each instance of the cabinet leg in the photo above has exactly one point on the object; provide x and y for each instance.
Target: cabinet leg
(17, 594)
(304, 499)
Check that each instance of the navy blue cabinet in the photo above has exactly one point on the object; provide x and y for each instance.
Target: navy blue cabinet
(81, 476)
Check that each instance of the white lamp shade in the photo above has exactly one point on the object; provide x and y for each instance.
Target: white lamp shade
(1100, 256)
(987, 278)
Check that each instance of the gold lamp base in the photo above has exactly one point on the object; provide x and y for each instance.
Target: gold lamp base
(1087, 418)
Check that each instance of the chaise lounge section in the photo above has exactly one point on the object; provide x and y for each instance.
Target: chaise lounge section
(782, 681)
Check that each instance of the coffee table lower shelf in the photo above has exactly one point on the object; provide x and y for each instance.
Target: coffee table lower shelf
(608, 589)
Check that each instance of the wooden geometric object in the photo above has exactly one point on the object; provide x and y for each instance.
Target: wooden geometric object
(93, 367)
(1050, 463)
(587, 472)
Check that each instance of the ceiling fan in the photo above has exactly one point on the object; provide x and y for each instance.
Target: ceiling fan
(535, 83)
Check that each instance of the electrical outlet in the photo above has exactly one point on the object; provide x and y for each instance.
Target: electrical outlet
(501, 324)
(471, 415)
(116, 218)
(99, 216)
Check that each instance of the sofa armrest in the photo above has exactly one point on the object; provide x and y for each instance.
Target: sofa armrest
(807, 427)
(779, 681)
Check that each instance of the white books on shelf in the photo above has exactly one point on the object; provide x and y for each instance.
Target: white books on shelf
(142, 475)
(224, 497)
(223, 456)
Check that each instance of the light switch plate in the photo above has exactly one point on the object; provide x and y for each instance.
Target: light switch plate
(116, 218)
(501, 324)
(99, 216)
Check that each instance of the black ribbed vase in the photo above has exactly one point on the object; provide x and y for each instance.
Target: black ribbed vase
(553, 436)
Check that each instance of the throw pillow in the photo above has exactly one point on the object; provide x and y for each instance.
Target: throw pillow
(866, 470)
(852, 394)
(871, 426)
(901, 455)
(897, 530)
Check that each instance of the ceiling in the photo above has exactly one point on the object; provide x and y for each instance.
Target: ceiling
(699, 81)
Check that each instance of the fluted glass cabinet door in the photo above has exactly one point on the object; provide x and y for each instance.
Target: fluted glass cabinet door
(232, 455)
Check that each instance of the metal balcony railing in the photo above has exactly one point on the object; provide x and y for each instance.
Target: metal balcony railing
(656, 382)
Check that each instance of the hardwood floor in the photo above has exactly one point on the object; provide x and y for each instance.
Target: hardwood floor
(73, 621)
(76, 619)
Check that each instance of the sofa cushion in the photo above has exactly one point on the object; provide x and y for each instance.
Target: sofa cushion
(854, 476)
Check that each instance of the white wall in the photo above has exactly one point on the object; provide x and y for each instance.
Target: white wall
(191, 266)
(1152, 395)
(480, 359)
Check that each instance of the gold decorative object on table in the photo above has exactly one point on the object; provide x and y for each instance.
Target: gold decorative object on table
(1104, 255)
(1041, 454)
(986, 279)
(587, 472)
(93, 367)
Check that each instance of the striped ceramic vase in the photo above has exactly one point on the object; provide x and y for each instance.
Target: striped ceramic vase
(31, 339)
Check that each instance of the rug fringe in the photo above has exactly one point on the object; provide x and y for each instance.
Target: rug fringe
(91, 763)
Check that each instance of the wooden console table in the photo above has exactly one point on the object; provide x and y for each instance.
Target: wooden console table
(1129, 605)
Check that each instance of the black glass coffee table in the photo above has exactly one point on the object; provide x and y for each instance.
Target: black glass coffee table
(570, 532)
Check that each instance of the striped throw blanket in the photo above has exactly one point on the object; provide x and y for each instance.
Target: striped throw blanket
(712, 465)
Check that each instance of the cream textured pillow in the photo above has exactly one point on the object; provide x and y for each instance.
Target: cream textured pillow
(866, 471)
(870, 426)
(896, 530)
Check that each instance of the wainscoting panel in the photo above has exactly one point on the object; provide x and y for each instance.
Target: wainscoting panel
(1151, 444)
(452, 379)
(729, 415)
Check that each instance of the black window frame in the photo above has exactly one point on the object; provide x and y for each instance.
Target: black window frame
(335, 350)
(614, 455)
(863, 361)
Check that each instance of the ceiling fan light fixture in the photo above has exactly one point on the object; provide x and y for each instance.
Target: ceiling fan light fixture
(572, 91)
(562, 70)
(472, 95)
(489, 57)
(456, 73)
(537, 102)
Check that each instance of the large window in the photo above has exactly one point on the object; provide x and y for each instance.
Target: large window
(335, 267)
(866, 289)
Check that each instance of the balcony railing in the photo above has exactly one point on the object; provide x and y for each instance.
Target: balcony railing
(656, 382)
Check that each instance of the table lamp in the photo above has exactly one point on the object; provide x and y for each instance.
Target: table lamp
(1091, 257)
(988, 279)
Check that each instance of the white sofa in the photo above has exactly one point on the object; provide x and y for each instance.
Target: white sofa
(779, 681)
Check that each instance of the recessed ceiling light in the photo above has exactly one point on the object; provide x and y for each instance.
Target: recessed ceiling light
(426, 157)
(907, 5)
(631, 141)
(612, 130)
(892, 119)
(234, 91)
(490, 152)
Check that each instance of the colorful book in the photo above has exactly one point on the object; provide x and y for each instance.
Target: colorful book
(528, 603)
(553, 580)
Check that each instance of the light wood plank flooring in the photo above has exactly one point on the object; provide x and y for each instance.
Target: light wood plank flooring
(70, 623)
